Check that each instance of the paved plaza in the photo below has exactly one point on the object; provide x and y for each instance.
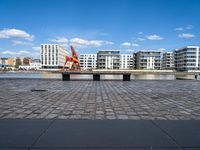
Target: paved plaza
(38, 114)
(135, 100)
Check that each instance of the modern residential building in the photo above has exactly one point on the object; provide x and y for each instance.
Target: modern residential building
(36, 61)
(26, 61)
(108, 59)
(168, 60)
(148, 59)
(52, 56)
(3, 62)
(88, 61)
(7, 63)
(187, 58)
(35, 65)
(126, 61)
(31, 66)
(10, 61)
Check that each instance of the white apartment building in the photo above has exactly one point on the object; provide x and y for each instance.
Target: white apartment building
(35, 65)
(126, 61)
(52, 56)
(88, 61)
(168, 60)
(187, 58)
(32, 66)
(148, 59)
(108, 59)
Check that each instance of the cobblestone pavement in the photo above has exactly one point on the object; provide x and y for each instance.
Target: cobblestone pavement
(147, 100)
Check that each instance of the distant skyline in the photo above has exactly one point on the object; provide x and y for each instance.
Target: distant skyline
(92, 25)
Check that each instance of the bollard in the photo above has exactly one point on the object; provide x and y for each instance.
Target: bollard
(96, 77)
(126, 77)
(66, 77)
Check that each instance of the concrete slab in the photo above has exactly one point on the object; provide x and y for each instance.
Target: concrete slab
(185, 132)
(13, 149)
(104, 134)
(109, 149)
(20, 133)
(192, 148)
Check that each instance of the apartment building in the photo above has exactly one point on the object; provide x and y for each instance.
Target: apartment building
(148, 59)
(168, 60)
(7, 62)
(126, 61)
(88, 61)
(187, 58)
(52, 56)
(108, 59)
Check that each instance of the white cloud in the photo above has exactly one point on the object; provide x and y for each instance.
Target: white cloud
(162, 49)
(135, 44)
(179, 29)
(59, 40)
(15, 53)
(104, 34)
(130, 50)
(16, 42)
(141, 39)
(15, 33)
(154, 37)
(64, 45)
(108, 43)
(140, 33)
(186, 35)
(81, 43)
(36, 48)
(126, 44)
(189, 27)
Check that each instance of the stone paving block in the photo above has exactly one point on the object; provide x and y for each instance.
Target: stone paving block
(161, 100)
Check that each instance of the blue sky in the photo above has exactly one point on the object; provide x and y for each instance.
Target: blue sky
(91, 25)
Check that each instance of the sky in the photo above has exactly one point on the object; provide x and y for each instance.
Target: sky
(92, 25)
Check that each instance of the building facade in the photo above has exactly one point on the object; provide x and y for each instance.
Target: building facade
(187, 58)
(168, 60)
(52, 56)
(148, 59)
(3, 63)
(126, 61)
(88, 61)
(108, 59)
(7, 63)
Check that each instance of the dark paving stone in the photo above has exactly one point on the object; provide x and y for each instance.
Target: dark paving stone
(192, 148)
(110, 149)
(104, 134)
(13, 149)
(185, 132)
(20, 133)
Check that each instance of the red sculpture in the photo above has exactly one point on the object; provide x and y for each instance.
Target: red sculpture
(74, 60)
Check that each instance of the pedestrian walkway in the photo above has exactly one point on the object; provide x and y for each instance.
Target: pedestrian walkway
(137, 115)
(135, 100)
(99, 134)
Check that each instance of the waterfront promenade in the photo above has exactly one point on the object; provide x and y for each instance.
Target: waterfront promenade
(138, 99)
(47, 114)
